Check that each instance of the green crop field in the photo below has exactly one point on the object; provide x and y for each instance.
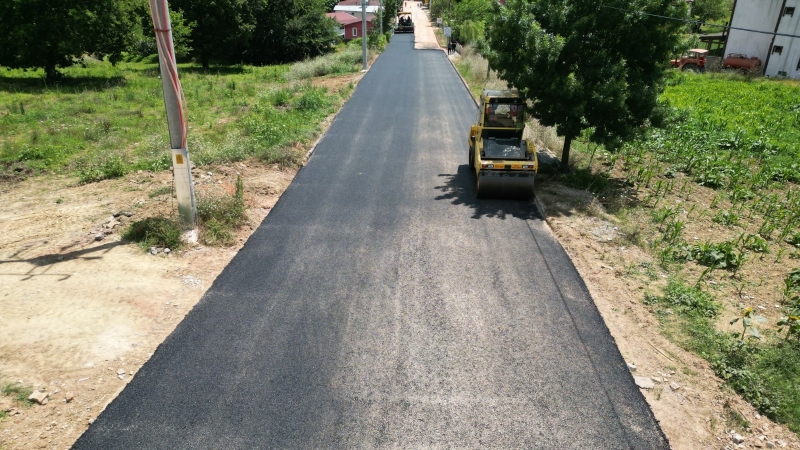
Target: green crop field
(725, 165)
(740, 137)
(102, 121)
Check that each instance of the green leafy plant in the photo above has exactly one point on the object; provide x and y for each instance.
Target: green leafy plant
(722, 255)
(755, 243)
(749, 320)
(686, 300)
(662, 214)
(793, 239)
(726, 217)
(792, 325)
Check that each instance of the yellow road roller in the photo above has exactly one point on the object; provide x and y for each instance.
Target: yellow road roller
(504, 164)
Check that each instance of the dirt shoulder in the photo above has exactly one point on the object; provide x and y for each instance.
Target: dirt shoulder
(79, 316)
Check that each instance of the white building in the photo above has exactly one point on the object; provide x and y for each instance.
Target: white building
(353, 7)
(780, 55)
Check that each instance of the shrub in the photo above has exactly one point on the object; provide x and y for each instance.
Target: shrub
(155, 232)
(312, 99)
(330, 64)
(687, 301)
(220, 215)
(107, 167)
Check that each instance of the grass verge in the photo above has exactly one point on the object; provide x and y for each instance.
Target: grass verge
(105, 121)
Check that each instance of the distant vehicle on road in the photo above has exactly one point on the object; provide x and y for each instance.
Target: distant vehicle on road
(404, 23)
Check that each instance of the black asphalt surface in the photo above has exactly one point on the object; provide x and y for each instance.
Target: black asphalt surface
(380, 305)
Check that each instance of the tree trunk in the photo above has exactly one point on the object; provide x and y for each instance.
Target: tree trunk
(565, 153)
(204, 59)
(50, 72)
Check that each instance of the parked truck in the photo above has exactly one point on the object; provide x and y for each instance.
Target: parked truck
(739, 61)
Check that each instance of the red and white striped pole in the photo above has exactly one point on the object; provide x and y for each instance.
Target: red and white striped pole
(175, 104)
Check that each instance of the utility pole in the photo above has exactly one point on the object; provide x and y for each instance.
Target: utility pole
(363, 33)
(380, 13)
(175, 105)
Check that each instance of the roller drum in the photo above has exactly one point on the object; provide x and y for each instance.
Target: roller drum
(504, 184)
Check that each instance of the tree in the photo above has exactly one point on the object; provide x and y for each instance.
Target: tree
(46, 34)
(389, 13)
(257, 31)
(586, 64)
(289, 30)
(705, 10)
(330, 4)
(145, 43)
(222, 29)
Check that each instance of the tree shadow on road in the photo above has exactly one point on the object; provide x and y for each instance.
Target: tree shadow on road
(459, 189)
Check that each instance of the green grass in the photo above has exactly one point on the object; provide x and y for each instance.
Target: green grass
(155, 232)
(164, 190)
(764, 372)
(220, 215)
(104, 121)
(333, 64)
(18, 392)
(738, 112)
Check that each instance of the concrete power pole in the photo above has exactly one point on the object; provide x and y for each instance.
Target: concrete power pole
(364, 33)
(176, 115)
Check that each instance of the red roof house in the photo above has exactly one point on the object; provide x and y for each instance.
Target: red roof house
(351, 26)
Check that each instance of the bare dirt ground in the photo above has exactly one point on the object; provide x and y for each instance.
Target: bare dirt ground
(79, 317)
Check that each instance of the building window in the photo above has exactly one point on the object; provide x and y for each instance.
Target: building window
(777, 49)
(355, 32)
(788, 11)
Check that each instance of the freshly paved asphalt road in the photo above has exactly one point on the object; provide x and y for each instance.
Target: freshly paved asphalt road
(381, 305)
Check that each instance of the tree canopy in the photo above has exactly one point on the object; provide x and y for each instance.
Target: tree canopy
(466, 17)
(706, 10)
(289, 30)
(222, 28)
(47, 34)
(257, 31)
(594, 65)
(51, 34)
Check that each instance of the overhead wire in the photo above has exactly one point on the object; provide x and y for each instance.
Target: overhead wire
(698, 22)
